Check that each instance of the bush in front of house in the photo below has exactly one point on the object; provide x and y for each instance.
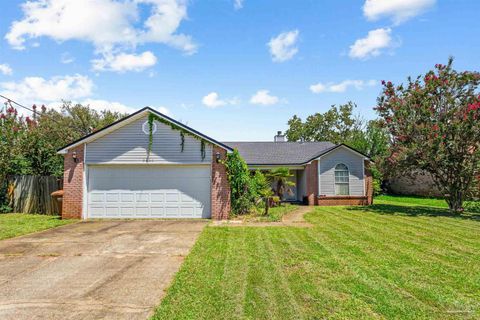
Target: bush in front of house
(472, 206)
(247, 190)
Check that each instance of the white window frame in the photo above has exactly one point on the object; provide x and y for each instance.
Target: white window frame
(335, 178)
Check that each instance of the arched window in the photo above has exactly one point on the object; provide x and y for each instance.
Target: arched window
(342, 186)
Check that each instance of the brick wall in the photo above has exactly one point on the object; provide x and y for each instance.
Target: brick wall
(73, 185)
(342, 201)
(311, 171)
(220, 188)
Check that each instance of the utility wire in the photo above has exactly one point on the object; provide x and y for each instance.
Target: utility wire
(10, 101)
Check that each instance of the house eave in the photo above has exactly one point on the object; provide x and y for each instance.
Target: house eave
(131, 118)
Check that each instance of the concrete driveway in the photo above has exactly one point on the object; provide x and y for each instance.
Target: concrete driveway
(93, 270)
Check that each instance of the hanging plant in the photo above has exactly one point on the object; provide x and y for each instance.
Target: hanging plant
(202, 149)
(153, 117)
(182, 137)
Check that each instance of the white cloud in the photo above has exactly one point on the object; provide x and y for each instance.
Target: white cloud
(283, 47)
(38, 89)
(125, 62)
(121, 29)
(398, 10)
(51, 92)
(67, 58)
(342, 86)
(5, 69)
(99, 105)
(212, 100)
(263, 97)
(238, 4)
(372, 45)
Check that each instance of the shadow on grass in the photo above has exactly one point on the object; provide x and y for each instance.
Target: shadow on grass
(414, 211)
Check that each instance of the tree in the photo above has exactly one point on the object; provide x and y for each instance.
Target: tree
(280, 177)
(263, 189)
(242, 188)
(434, 122)
(28, 144)
(335, 125)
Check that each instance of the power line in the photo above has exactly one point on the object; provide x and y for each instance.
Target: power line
(10, 101)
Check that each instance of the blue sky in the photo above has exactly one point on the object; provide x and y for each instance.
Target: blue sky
(235, 70)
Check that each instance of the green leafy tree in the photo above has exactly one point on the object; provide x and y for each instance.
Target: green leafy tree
(335, 125)
(263, 189)
(434, 121)
(242, 187)
(280, 178)
(28, 144)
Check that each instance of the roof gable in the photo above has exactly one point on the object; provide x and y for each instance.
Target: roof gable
(285, 153)
(133, 117)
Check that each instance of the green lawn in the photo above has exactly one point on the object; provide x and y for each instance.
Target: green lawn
(387, 261)
(410, 200)
(16, 224)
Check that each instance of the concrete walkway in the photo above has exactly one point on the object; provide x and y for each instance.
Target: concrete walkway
(93, 270)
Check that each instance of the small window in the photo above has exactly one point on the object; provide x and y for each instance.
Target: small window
(146, 129)
(342, 187)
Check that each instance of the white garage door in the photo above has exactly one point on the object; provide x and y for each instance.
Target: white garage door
(148, 192)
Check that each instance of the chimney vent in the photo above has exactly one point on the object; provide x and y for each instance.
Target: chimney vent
(279, 137)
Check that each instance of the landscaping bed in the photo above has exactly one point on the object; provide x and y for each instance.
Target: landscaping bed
(275, 214)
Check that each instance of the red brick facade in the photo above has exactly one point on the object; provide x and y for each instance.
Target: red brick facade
(220, 192)
(311, 171)
(342, 201)
(72, 203)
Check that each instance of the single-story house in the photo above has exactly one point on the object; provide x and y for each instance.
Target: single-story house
(121, 171)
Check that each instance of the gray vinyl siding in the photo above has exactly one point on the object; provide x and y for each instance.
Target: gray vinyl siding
(353, 161)
(129, 144)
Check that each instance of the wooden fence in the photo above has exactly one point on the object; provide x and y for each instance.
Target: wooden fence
(32, 194)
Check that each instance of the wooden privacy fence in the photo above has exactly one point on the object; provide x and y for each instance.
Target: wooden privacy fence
(32, 194)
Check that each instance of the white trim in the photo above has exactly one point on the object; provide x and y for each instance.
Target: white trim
(345, 147)
(85, 185)
(149, 164)
(363, 177)
(319, 178)
(335, 180)
(146, 129)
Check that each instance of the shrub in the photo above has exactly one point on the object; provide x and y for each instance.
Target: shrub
(242, 185)
(472, 206)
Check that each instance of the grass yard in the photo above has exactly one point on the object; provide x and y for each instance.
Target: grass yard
(17, 224)
(274, 214)
(387, 261)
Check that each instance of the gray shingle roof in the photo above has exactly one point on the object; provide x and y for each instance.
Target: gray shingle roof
(280, 153)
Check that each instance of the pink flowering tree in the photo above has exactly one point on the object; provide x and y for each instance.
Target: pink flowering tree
(434, 123)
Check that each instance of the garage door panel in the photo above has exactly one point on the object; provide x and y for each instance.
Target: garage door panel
(157, 197)
(97, 197)
(112, 197)
(143, 192)
(126, 211)
(157, 212)
(128, 197)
